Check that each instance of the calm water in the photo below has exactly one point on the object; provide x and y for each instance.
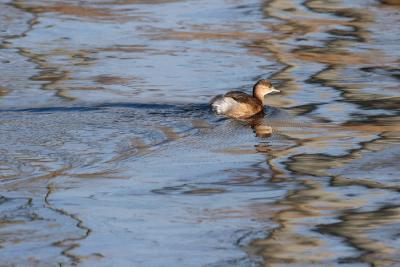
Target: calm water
(109, 155)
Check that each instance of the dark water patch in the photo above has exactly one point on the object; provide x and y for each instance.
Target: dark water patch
(378, 103)
(383, 70)
(177, 109)
(354, 223)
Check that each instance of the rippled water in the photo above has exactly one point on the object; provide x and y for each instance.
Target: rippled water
(109, 155)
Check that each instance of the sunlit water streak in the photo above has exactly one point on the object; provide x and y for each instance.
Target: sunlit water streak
(109, 155)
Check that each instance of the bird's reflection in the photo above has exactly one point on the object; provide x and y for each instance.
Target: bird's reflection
(260, 126)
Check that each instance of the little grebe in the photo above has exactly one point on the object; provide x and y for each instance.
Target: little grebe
(240, 105)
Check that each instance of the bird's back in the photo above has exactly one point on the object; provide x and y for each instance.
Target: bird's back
(236, 104)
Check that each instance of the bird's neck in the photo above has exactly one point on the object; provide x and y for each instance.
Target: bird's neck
(259, 97)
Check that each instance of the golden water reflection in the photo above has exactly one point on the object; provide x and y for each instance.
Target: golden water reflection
(330, 204)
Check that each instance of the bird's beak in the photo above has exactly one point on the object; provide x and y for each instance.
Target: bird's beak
(275, 90)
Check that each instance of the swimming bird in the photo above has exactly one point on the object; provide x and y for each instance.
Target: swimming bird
(239, 105)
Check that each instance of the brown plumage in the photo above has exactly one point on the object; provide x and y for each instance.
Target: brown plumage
(236, 104)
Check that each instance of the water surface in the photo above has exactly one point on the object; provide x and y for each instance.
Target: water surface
(110, 156)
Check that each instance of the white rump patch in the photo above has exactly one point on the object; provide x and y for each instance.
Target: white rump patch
(223, 105)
